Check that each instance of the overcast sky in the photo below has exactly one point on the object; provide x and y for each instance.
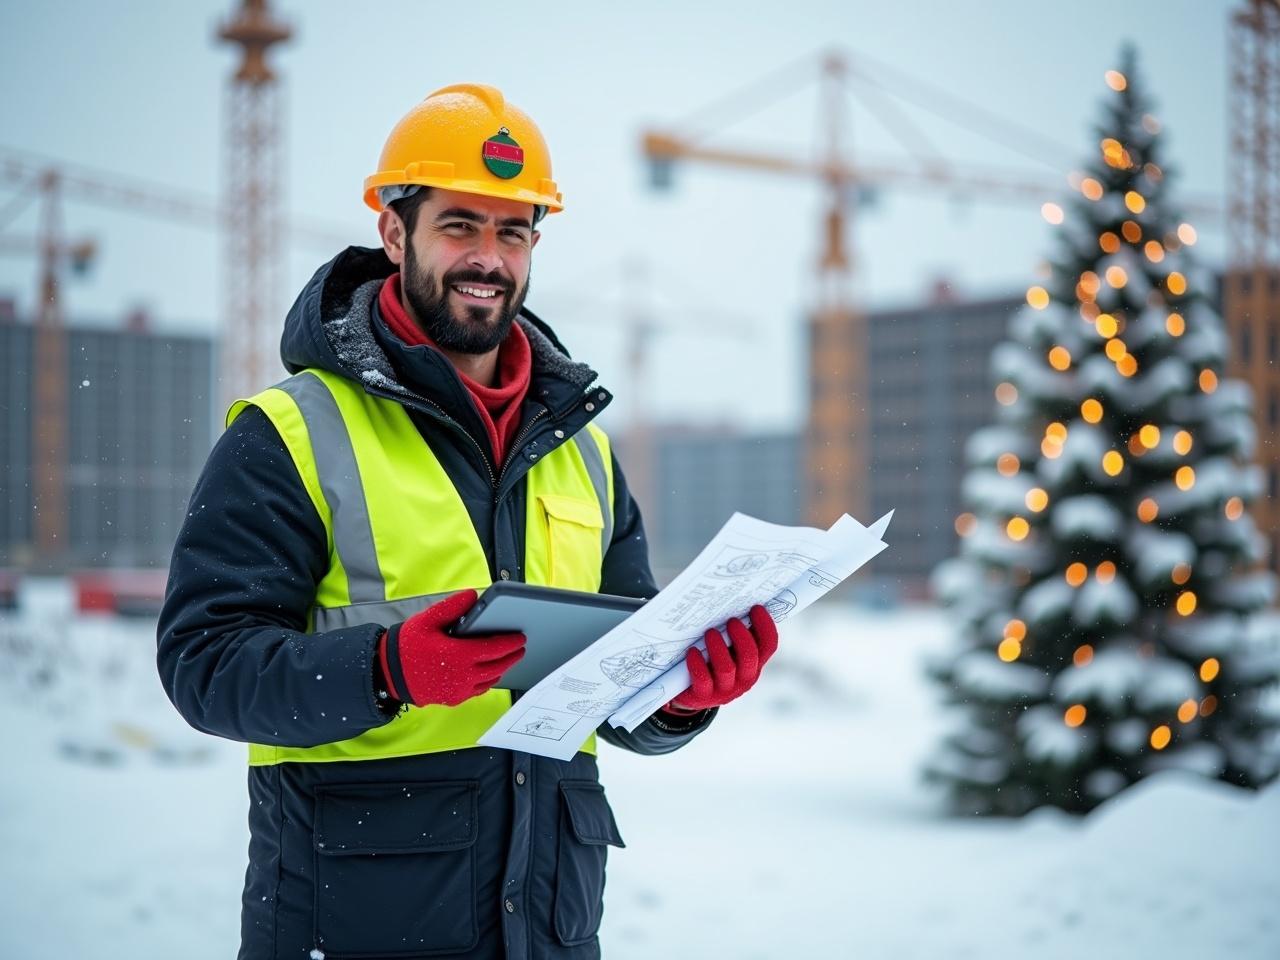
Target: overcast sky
(135, 88)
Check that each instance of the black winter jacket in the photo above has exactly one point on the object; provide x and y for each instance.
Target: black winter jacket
(479, 852)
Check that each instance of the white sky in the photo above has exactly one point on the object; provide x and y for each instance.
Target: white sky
(135, 88)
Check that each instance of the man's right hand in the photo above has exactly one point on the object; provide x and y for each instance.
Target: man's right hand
(422, 664)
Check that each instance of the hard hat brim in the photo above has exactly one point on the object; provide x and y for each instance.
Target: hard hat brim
(548, 197)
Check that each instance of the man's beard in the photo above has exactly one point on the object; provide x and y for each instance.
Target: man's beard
(485, 327)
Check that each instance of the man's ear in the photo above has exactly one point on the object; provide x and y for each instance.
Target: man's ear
(391, 230)
(534, 238)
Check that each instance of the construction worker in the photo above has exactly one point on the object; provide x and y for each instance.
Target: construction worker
(434, 437)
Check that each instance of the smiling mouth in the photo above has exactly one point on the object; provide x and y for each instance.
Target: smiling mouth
(477, 293)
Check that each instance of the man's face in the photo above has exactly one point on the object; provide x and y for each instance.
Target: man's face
(466, 268)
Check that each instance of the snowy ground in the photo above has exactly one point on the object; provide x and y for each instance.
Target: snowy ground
(795, 828)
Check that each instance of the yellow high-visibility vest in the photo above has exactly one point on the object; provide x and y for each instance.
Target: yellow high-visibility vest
(400, 538)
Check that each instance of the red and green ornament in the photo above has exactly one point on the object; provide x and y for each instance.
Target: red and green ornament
(502, 155)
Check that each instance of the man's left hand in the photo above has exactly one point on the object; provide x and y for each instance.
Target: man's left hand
(726, 673)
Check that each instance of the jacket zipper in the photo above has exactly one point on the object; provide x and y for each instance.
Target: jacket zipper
(515, 445)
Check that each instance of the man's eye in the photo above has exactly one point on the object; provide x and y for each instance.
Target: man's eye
(458, 227)
(515, 235)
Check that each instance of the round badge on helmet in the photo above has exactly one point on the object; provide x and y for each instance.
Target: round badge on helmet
(503, 157)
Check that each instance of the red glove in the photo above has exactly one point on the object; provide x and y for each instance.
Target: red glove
(731, 674)
(422, 664)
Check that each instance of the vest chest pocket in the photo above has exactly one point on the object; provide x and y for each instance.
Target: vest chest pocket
(395, 869)
(573, 529)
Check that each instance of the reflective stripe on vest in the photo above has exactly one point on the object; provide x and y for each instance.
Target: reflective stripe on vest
(376, 486)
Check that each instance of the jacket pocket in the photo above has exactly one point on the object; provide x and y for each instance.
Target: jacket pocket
(587, 830)
(395, 868)
(574, 551)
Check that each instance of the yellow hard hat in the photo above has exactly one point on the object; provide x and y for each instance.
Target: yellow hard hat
(468, 138)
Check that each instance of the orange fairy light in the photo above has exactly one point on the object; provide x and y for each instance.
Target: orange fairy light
(1148, 510)
(1106, 325)
(1083, 655)
(1182, 442)
(1006, 394)
(1186, 603)
(1175, 325)
(1007, 464)
(1161, 736)
(1091, 188)
(1037, 499)
(1187, 234)
(1074, 715)
(1106, 572)
(1154, 250)
(1135, 201)
(1208, 380)
(1176, 283)
(1091, 410)
(1131, 231)
(1017, 528)
(1051, 212)
(1149, 435)
(1109, 242)
(1234, 508)
(1038, 297)
(1181, 573)
(1076, 574)
(1185, 477)
(1210, 669)
(1112, 463)
(965, 524)
(1117, 277)
(1059, 358)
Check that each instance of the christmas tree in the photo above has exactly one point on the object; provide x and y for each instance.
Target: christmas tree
(1107, 581)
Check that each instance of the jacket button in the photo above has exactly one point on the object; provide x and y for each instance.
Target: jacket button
(559, 434)
(504, 574)
(590, 407)
(520, 777)
(511, 907)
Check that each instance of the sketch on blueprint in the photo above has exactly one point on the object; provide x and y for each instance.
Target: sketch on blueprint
(638, 666)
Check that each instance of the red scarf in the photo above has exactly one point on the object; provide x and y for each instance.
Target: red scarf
(499, 406)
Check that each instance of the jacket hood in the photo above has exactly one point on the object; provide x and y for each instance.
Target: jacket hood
(330, 326)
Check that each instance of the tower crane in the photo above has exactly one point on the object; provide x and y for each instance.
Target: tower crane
(53, 182)
(837, 451)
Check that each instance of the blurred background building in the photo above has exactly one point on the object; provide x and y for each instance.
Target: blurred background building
(140, 419)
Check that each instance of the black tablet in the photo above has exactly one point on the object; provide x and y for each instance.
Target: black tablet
(559, 624)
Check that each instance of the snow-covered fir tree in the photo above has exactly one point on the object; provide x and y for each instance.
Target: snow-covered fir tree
(1108, 575)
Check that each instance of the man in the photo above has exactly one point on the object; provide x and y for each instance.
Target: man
(434, 437)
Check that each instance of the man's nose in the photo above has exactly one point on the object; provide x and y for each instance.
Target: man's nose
(486, 255)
